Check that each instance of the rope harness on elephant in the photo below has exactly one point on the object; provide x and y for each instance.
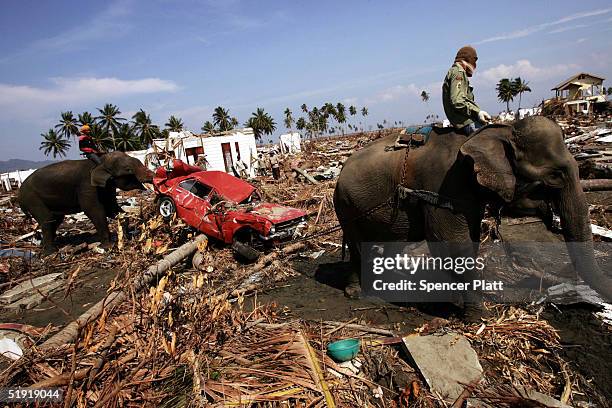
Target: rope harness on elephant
(406, 194)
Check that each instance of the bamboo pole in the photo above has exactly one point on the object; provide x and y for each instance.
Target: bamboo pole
(68, 333)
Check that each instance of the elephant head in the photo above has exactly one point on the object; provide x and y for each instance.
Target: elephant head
(529, 161)
(127, 173)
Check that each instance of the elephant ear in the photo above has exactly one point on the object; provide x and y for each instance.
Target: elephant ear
(488, 149)
(100, 176)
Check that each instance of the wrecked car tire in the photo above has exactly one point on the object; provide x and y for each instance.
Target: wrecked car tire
(245, 252)
(166, 208)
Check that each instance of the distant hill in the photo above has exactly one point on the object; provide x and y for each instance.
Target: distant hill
(18, 164)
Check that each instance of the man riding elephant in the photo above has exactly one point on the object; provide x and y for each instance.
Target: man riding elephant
(499, 165)
(71, 186)
(458, 96)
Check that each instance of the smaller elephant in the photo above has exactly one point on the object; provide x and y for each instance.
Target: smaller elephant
(71, 186)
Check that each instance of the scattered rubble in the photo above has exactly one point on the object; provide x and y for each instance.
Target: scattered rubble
(193, 333)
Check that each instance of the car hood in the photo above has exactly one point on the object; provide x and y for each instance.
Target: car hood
(276, 213)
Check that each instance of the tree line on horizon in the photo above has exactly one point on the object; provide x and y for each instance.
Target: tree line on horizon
(110, 132)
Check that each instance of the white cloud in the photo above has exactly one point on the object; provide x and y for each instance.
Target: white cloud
(393, 93)
(524, 32)
(524, 69)
(26, 100)
(564, 29)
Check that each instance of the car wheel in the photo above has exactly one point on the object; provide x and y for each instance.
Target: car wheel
(166, 208)
(245, 252)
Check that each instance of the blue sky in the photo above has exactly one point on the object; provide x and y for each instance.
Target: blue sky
(187, 57)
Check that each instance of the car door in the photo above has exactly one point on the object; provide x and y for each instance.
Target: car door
(194, 208)
(203, 208)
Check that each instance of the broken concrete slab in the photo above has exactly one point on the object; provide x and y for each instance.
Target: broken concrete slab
(447, 362)
(36, 298)
(27, 288)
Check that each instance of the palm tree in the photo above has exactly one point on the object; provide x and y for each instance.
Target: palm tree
(288, 119)
(85, 118)
(505, 92)
(108, 118)
(222, 119)
(520, 86)
(352, 110)
(364, 113)
(125, 139)
(208, 127)
(68, 125)
(329, 109)
(424, 96)
(103, 140)
(315, 120)
(174, 124)
(54, 143)
(341, 115)
(300, 124)
(304, 108)
(234, 122)
(261, 123)
(144, 128)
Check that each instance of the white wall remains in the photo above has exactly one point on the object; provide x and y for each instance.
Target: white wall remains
(241, 144)
(290, 143)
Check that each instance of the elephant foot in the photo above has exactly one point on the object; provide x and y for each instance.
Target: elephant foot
(353, 290)
(475, 312)
(106, 245)
(48, 250)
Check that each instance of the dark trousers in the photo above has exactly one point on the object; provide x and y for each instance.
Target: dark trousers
(468, 129)
(93, 157)
(276, 172)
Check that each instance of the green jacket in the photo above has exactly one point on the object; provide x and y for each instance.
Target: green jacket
(458, 98)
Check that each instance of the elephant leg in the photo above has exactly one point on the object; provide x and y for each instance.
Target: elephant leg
(58, 219)
(98, 218)
(353, 281)
(47, 222)
(454, 236)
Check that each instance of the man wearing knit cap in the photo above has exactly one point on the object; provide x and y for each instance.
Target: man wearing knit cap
(457, 94)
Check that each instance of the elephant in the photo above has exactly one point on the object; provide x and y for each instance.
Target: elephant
(71, 186)
(525, 163)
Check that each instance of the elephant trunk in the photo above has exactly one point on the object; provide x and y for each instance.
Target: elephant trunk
(144, 175)
(576, 227)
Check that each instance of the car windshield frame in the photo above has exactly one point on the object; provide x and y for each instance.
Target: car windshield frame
(194, 186)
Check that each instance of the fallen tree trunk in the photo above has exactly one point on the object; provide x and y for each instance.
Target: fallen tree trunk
(596, 184)
(68, 333)
(306, 175)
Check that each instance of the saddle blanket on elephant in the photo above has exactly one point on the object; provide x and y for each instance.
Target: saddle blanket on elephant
(412, 137)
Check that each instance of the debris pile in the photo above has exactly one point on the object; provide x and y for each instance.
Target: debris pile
(193, 333)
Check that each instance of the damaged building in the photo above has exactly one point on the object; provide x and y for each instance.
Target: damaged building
(582, 93)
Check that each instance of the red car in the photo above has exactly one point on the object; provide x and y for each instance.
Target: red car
(225, 208)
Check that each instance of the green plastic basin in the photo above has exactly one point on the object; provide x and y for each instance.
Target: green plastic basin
(343, 350)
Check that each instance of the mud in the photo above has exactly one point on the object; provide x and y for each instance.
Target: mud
(587, 343)
(60, 309)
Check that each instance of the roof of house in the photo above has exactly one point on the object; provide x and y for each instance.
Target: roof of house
(575, 77)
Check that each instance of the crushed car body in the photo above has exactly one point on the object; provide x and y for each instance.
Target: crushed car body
(222, 206)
